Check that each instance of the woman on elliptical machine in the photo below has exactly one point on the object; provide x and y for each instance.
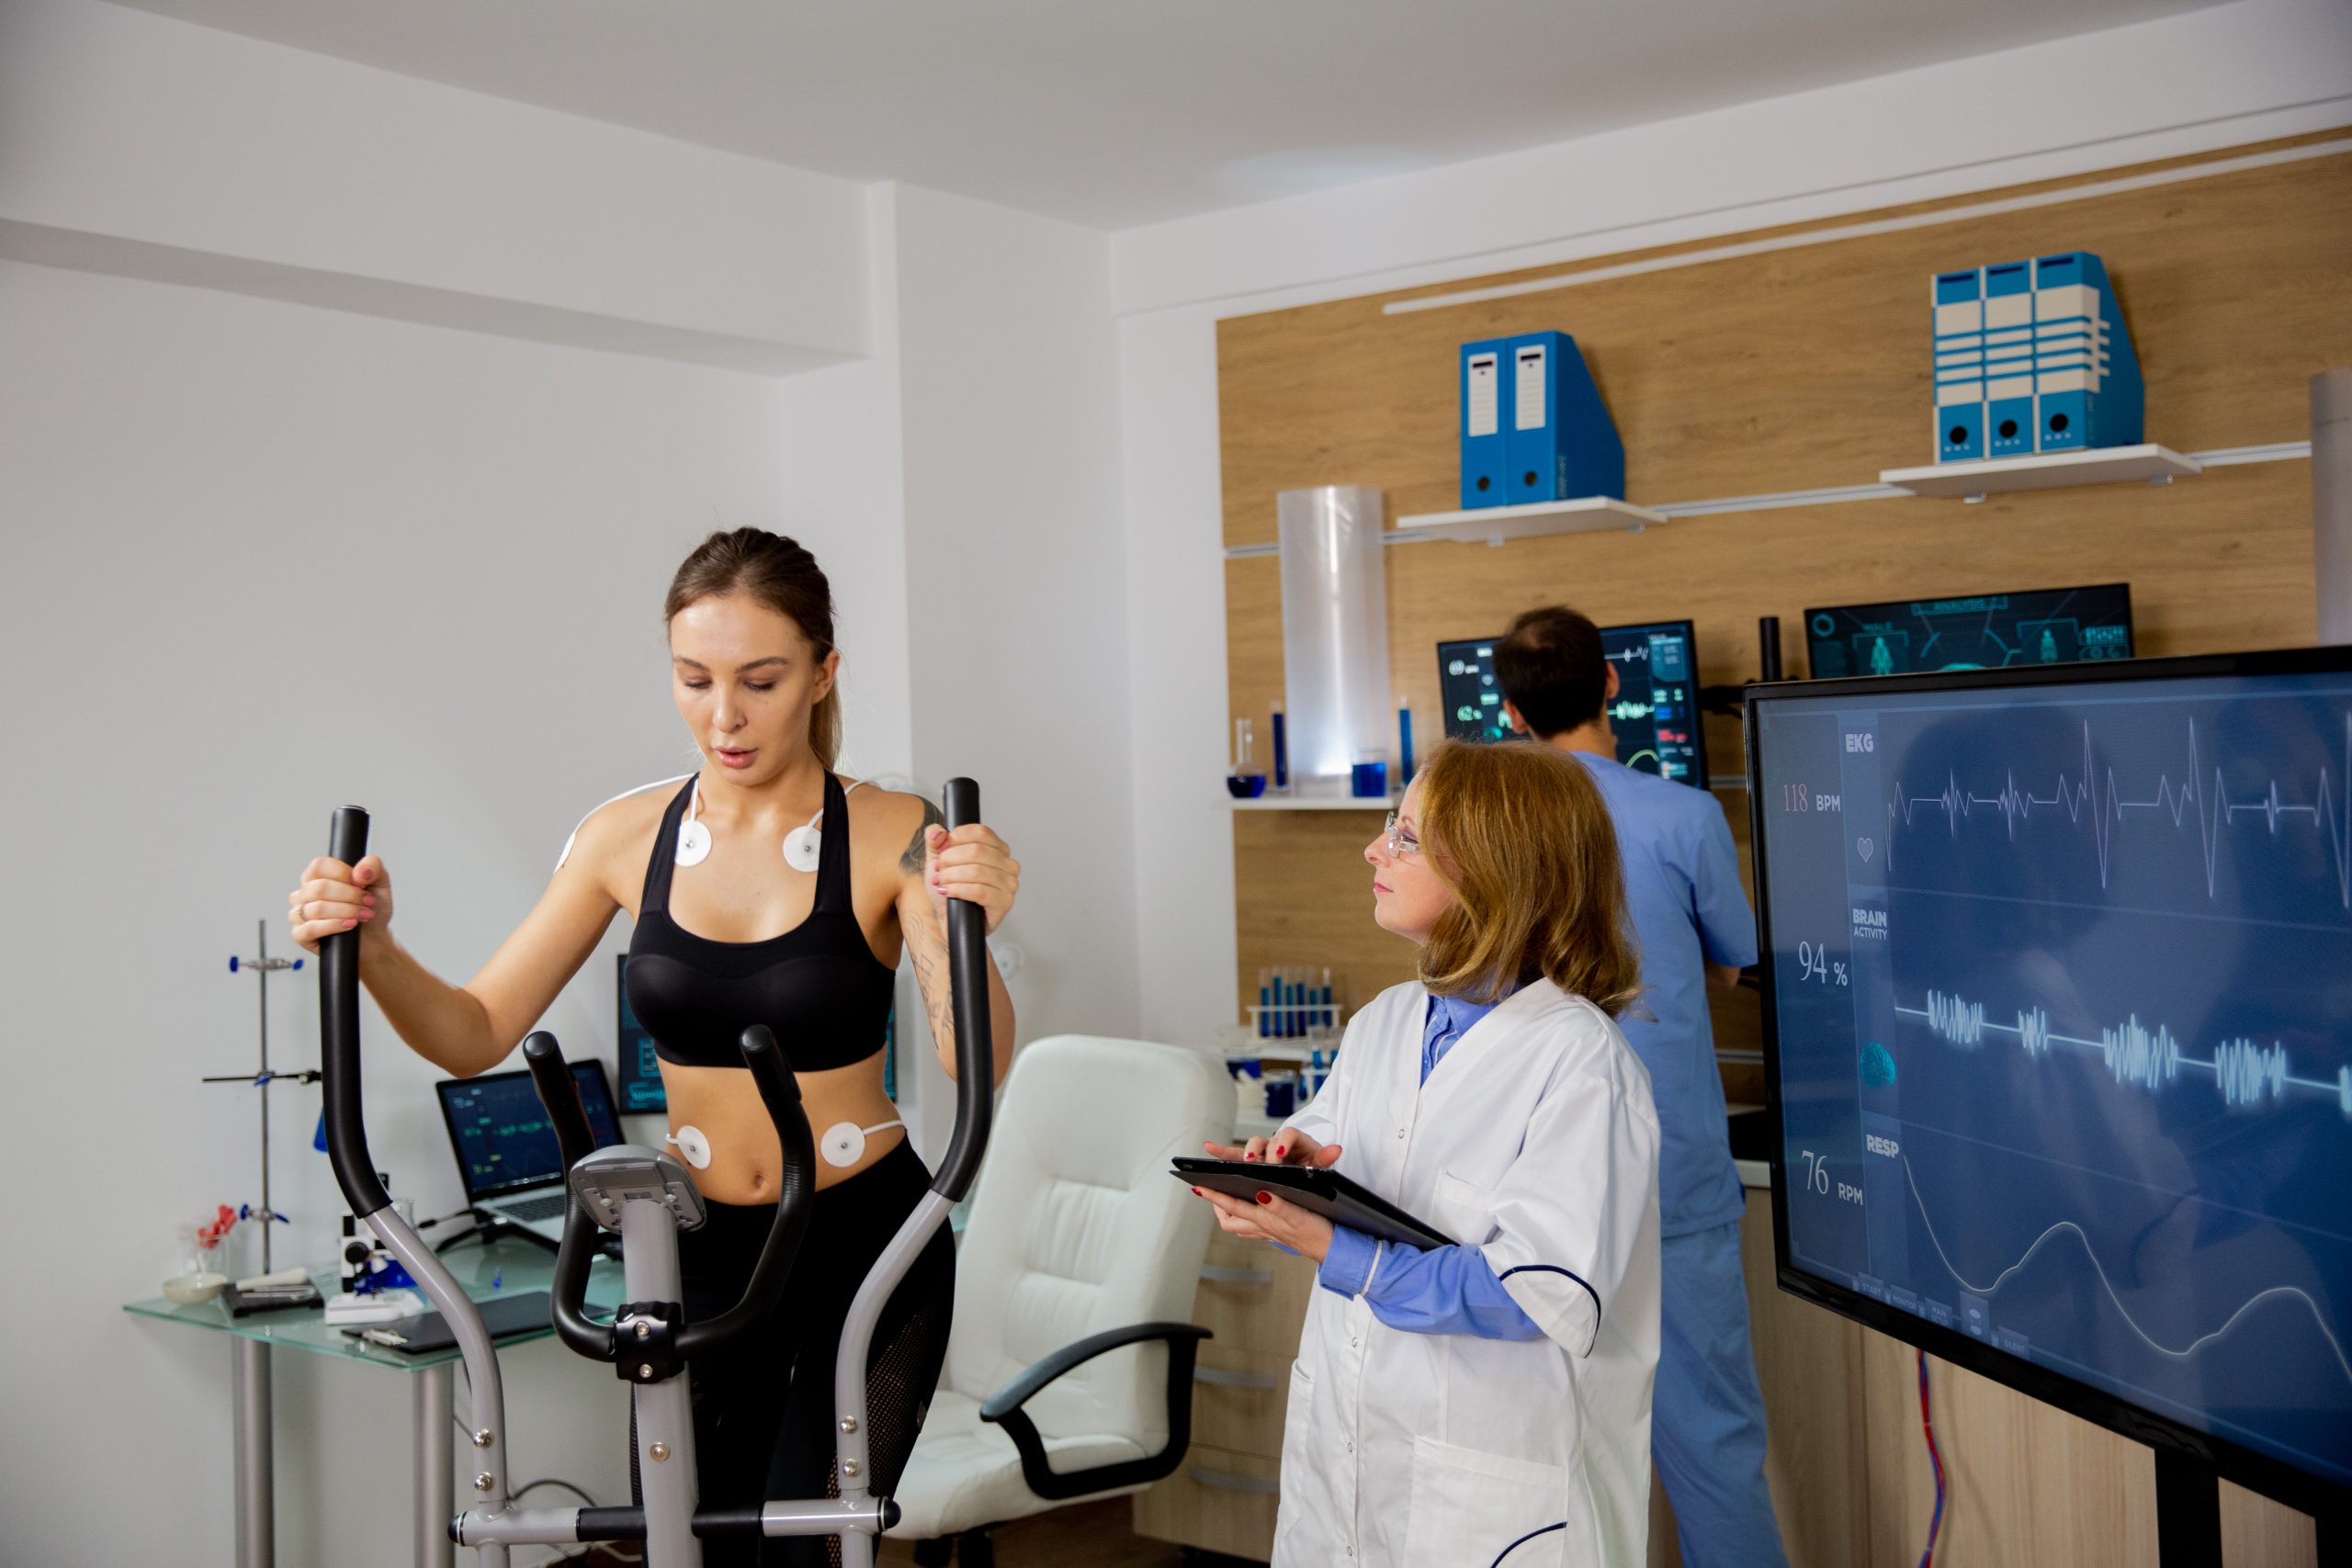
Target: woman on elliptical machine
(760, 896)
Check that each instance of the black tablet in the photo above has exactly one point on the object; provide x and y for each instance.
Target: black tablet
(1319, 1192)
(527, 1312)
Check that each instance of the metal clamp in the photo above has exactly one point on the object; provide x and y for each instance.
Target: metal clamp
(645, 1341)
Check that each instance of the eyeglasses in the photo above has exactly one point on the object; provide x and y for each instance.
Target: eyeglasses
(1401, 842)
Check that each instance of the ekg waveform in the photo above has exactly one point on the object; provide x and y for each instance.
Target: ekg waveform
(2090, 798)
(2246, 1073)
(2069, 1227)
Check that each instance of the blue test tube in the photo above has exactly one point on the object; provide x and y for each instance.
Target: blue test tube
(1265, 1003)
(1282, 750)
(1403, 744)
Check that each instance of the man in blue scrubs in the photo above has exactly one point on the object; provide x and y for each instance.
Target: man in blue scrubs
(1683, 885)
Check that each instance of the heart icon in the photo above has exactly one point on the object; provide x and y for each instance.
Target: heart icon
(1865, 846)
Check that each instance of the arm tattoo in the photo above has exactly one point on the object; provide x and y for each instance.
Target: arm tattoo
(919, 846)
(930, 977)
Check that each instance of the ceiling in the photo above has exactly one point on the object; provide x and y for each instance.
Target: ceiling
(1116, 113)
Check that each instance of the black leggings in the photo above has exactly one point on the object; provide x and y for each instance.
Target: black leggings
(763, 1411)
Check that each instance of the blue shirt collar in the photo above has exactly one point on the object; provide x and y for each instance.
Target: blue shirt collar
(1459, 1012)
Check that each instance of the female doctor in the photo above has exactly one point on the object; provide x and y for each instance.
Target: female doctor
(1485, 1403)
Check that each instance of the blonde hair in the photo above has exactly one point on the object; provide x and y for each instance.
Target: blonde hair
(777, 572)
(1521, 835)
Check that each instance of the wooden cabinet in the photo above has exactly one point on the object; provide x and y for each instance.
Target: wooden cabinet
(1222, 1499)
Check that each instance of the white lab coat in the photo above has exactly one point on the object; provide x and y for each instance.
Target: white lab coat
(1534, 1140)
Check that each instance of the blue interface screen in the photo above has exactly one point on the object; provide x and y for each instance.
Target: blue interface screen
(642, 1089)
(1654, 718)
(2063, 1013)
(502, 1131)
(1991, 631)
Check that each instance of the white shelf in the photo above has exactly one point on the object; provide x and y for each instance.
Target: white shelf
(2051, 470)
(1271, 802)
(1493, 525)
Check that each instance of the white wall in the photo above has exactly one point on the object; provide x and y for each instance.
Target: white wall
(142, 145)
(2213, 78)
(1016, 577)
(256, 560)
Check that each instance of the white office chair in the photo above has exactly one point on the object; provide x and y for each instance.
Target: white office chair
(1080, 1242)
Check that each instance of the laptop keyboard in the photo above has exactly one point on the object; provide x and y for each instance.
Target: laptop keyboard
(530, 1210)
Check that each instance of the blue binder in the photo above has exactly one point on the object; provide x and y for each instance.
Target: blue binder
(1563, 442)
(1486, 419)
(1959, 347)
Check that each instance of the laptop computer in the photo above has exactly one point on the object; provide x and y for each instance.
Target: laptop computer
(506, 1149)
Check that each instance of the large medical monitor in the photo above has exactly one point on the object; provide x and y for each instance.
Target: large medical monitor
(1654, 715)
(1991, 631)
(2058, 1001)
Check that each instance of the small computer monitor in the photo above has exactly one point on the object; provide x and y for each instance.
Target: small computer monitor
(1466, 681)
(1990, 631)
(501, 1133)
(641, 1091)
(1654, 716)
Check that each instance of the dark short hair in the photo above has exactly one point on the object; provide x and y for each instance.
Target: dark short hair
(1551, 670)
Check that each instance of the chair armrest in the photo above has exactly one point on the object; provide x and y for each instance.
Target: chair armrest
(1003, 1407)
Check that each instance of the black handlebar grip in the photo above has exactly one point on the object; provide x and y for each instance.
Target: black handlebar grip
(560, 1093)
(1768, 647)
(968, 975)
(355, 1169)
(796, 1192)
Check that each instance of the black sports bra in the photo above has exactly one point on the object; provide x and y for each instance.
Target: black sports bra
(817, 987)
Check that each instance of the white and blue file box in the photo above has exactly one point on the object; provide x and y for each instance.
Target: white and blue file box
(2032, 356)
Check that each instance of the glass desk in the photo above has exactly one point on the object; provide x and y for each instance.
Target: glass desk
(515, 1266)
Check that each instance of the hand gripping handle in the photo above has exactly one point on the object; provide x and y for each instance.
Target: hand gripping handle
(355, 1169)
(967, 973)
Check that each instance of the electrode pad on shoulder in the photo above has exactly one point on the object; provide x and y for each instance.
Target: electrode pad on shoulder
(691, 1145)
(844, 1142)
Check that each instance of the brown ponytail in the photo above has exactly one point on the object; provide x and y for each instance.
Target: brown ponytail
(778, 573)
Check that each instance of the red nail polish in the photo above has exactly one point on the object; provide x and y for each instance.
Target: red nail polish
(1280, 1152)
(1265, 1196)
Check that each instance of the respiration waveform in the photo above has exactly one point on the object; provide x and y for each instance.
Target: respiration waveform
(2091, 796)
(2071, 1228)
(2136, 1054)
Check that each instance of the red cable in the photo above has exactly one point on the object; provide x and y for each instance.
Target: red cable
(1936, 1457)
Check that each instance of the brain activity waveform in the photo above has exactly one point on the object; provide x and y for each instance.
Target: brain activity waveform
(2067, 1227)
(2091, 798)
(2246, 1073)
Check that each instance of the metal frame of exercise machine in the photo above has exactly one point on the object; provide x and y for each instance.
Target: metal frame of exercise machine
(647, 1197)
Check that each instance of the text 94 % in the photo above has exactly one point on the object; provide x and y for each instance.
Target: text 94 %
(1817, 964)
